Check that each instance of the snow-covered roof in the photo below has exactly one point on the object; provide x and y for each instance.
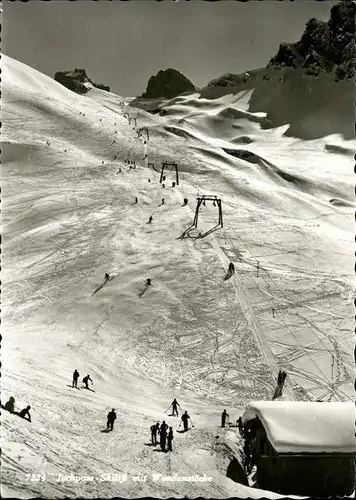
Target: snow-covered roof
(306, 427)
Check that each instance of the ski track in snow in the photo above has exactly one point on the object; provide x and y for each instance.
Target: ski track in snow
(69, 217)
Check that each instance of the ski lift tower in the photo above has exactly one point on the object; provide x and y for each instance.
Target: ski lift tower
(165, 165)
(201, 200)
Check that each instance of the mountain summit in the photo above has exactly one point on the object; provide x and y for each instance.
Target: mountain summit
(78, 81)
(328, 46)
(168, 83)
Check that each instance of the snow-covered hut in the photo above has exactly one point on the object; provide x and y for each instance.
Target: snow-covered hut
(302, 448)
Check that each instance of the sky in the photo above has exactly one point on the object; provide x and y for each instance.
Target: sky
(122, 44)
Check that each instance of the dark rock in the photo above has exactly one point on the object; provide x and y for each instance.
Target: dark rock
(169, 83)
(229, 80)
(324, 46)
(77, 81)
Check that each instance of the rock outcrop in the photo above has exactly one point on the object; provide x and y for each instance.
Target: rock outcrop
(168, 84)
(78, 81)
(324, 46)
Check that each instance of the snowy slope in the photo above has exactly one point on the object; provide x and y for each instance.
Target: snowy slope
(69, 217)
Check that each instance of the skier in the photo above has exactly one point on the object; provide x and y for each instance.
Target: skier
(174, 407)
(163, 435)
(150, 220)
(10, 405)
(86, 380)
(148, 282)
(25, 412)
(107, 277)
(170, 439)
(154, 429)
(111, 419)
(136, 199)
(75, 378)
(231, 268)
(185, 418)
(223, 418)
(162, 201)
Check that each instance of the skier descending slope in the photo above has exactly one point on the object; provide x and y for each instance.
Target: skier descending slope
(185, 418)
(86, 380)
(174, 407)
(230, 271)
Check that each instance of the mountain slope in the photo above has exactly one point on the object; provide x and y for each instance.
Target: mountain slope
(69, 217)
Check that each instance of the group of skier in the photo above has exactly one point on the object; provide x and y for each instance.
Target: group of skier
(85, 380)
(164, 437)
(10, 407)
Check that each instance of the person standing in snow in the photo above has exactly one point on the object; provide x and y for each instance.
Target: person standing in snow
(223, 418)
(86, 380)
(170, 439)
(10, 405)
(185, 418)
(75, 378)
(25, 412)
(111, 419)
(174, 407)
(163, 435)
(154, 429)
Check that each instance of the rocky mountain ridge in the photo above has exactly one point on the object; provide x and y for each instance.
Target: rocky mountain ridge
(78, 81)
